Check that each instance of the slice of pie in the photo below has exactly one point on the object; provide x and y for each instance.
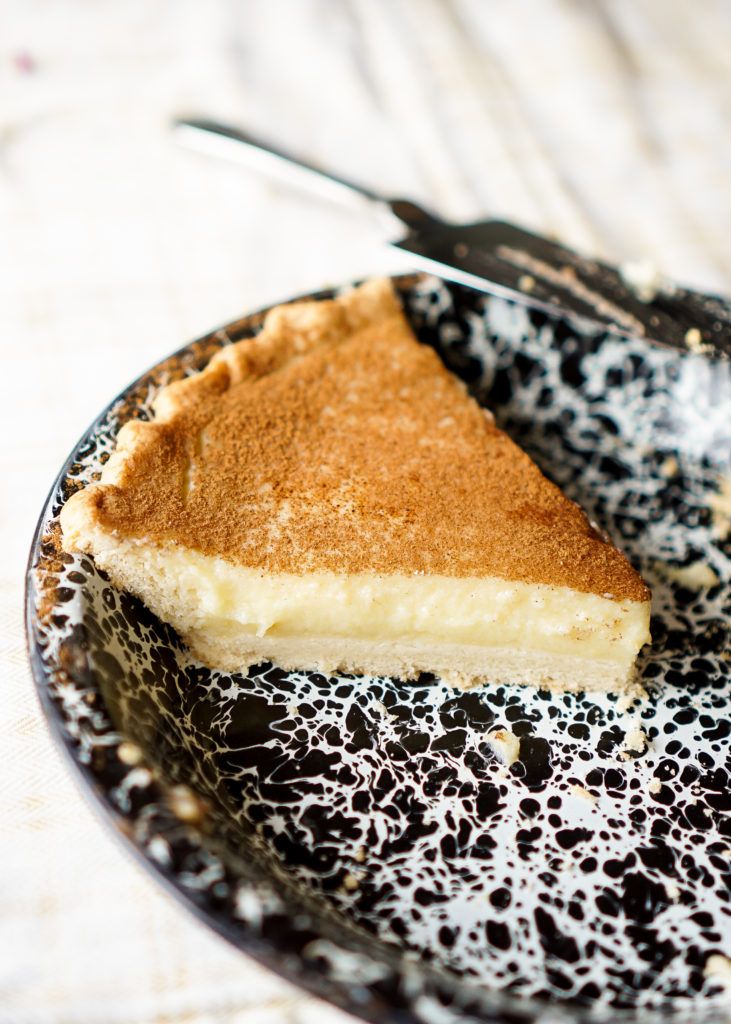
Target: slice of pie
(327, 495)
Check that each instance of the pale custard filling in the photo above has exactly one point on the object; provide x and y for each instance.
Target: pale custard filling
(200, 592)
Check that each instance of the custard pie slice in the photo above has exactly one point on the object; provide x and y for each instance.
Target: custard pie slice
(327, 495)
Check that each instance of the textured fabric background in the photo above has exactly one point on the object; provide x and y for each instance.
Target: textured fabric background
(605, 122)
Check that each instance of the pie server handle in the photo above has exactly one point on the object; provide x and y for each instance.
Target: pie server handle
(224, 140)
(501, 258)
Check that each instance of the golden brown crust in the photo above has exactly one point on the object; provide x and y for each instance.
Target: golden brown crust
(335, 442)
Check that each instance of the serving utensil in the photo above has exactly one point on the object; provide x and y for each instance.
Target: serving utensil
(501, 258)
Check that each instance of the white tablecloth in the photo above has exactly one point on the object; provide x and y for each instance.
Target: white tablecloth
(606, 123)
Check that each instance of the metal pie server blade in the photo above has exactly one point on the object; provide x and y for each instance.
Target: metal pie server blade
(503, 259)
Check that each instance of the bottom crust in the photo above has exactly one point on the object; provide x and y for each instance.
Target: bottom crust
(459, 665)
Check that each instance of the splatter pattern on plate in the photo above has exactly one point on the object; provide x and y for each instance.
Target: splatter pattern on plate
(361, 835)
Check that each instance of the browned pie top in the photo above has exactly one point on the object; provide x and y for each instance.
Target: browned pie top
(335, 441)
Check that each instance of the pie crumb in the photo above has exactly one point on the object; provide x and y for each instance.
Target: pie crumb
(720, 506)
(695, 343)
(718, 967)
(583, 794)
(350, 883)
(643, 278)
(673, 892)
(696, 576)
(505, 745)
(635, 740)
(669, 467)
(654, 785)
(185, 804)
(129, 753)
(634, 692)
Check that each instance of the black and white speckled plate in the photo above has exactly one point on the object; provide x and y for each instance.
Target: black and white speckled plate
(358, 835)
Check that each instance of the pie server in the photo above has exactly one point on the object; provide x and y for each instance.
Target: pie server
(503, 259)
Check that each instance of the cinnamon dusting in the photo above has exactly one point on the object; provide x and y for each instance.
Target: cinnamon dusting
(334, 441)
